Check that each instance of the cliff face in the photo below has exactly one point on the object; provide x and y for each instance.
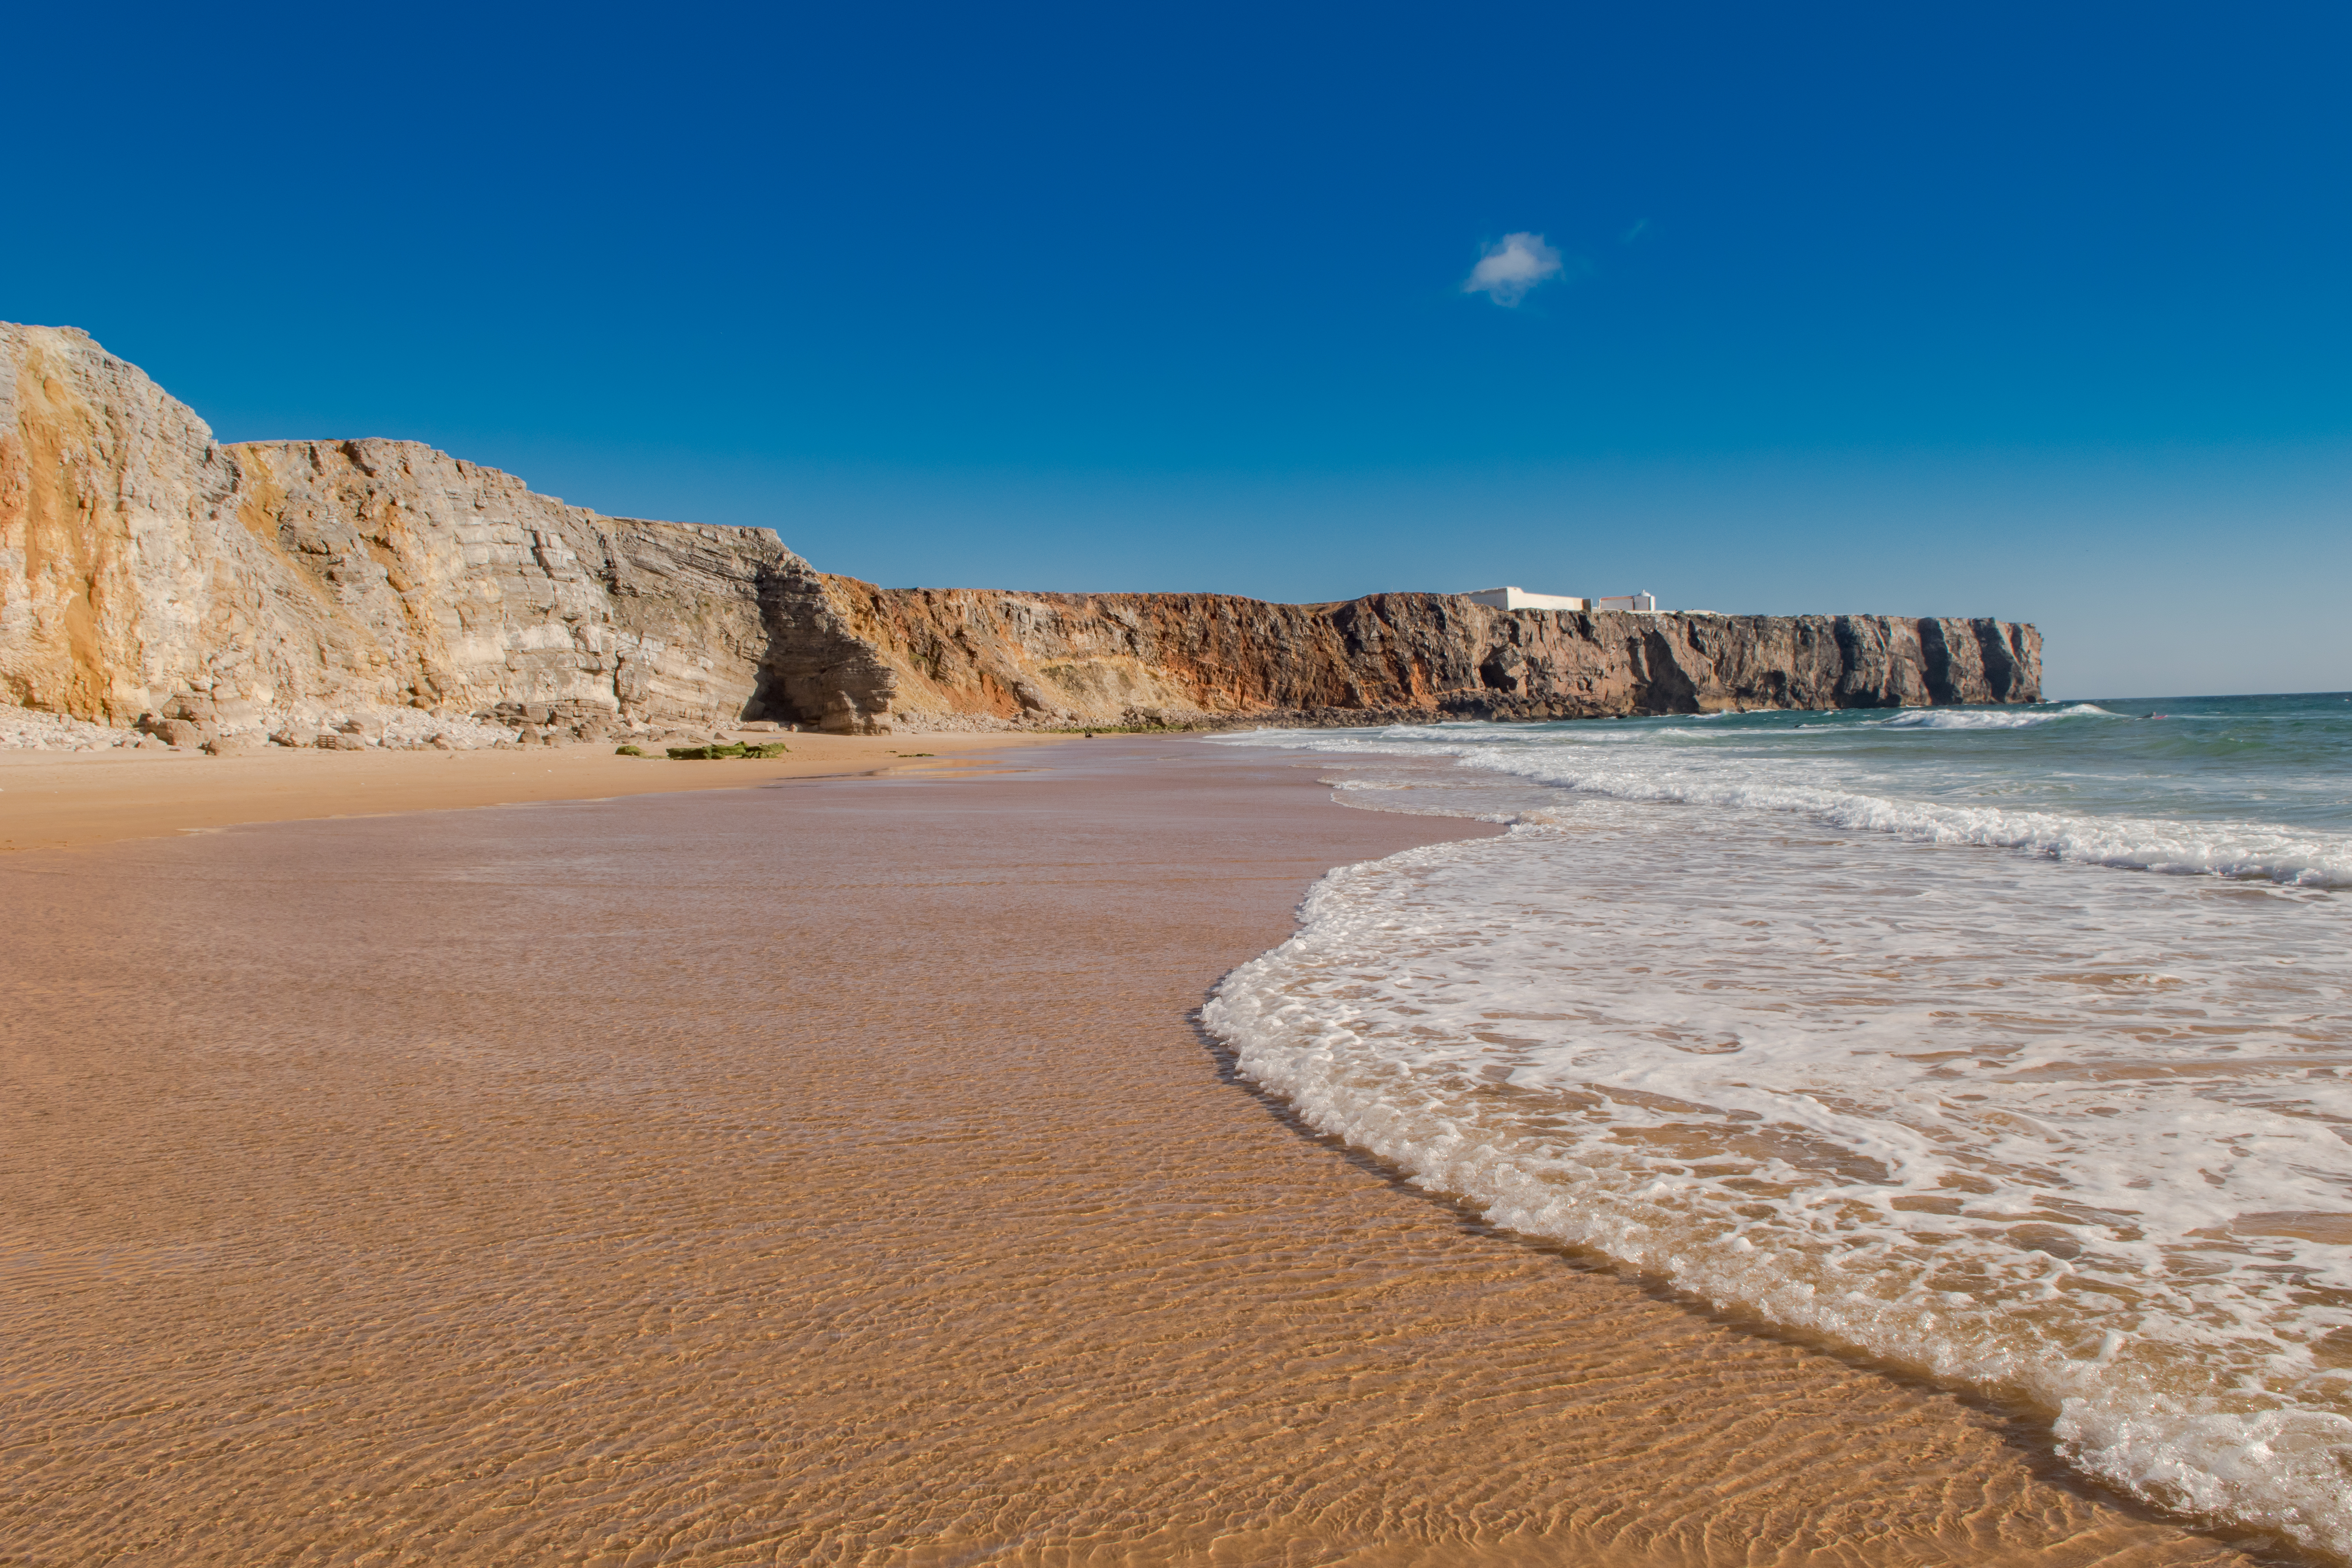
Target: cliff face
(141, 561)
(1091, 657)
(145, 567)
(460, 587)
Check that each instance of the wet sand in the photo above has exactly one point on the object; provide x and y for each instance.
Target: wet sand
(829, 1172)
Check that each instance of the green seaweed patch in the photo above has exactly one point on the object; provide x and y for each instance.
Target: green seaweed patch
(627, 751)
(713, 753)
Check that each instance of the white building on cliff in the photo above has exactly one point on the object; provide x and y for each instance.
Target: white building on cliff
(1520, 599)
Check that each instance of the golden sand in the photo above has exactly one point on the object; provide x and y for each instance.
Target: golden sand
(830, 1172)
(54, 800)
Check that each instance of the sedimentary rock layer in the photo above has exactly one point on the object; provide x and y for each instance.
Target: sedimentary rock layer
(140, 560)
(964, 651)
(146, 568)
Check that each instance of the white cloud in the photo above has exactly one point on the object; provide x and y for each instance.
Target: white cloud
(1511, 267)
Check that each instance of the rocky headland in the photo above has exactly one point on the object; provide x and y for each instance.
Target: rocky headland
(359, 593)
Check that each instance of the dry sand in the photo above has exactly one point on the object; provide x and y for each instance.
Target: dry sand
(830, 1172)
(56, 800)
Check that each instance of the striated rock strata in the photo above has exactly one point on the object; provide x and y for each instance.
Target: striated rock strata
(1091, 656)
(148, 571)
(143, 563)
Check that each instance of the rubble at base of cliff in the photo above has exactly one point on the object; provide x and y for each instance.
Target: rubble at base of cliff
(1054, 722)
(34, 730)
(221, 725)
(1154, 720)
(30, 730)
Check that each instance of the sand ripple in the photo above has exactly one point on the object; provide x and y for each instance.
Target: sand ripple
(831, 1174)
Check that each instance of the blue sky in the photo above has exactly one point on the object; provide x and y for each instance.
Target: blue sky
(2033, 311)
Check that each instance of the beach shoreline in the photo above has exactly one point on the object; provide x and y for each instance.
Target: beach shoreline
(54, 800)
(832, 1170)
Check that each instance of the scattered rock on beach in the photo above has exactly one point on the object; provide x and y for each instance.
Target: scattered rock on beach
(179, 732)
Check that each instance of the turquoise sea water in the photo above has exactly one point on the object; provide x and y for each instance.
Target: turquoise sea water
(2255, 786)
(2011, 1044)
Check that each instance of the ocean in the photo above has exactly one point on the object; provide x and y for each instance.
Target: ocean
(2008, 1046)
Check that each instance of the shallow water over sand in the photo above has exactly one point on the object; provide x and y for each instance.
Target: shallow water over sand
(831, 1173)
(2012, 1046)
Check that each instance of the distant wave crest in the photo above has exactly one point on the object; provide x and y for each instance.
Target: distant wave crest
(1981, 719)
(2131, 843)
(1627, 762)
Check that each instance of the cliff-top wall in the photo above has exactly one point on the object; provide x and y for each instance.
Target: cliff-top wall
(144, 566)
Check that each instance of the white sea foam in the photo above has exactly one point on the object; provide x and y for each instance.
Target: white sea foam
(2087, 1149)
(1631, 763)
(1990, 717)
(1744, 1003)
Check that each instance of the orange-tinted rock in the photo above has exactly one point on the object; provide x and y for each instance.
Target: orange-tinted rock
(1101, 657)
(145, 568)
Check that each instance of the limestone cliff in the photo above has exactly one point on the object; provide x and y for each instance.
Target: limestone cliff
(145, 568)
(140, 561)
(961, 651)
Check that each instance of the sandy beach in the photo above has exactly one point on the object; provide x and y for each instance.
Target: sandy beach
(57, 800)
(823, 1170)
